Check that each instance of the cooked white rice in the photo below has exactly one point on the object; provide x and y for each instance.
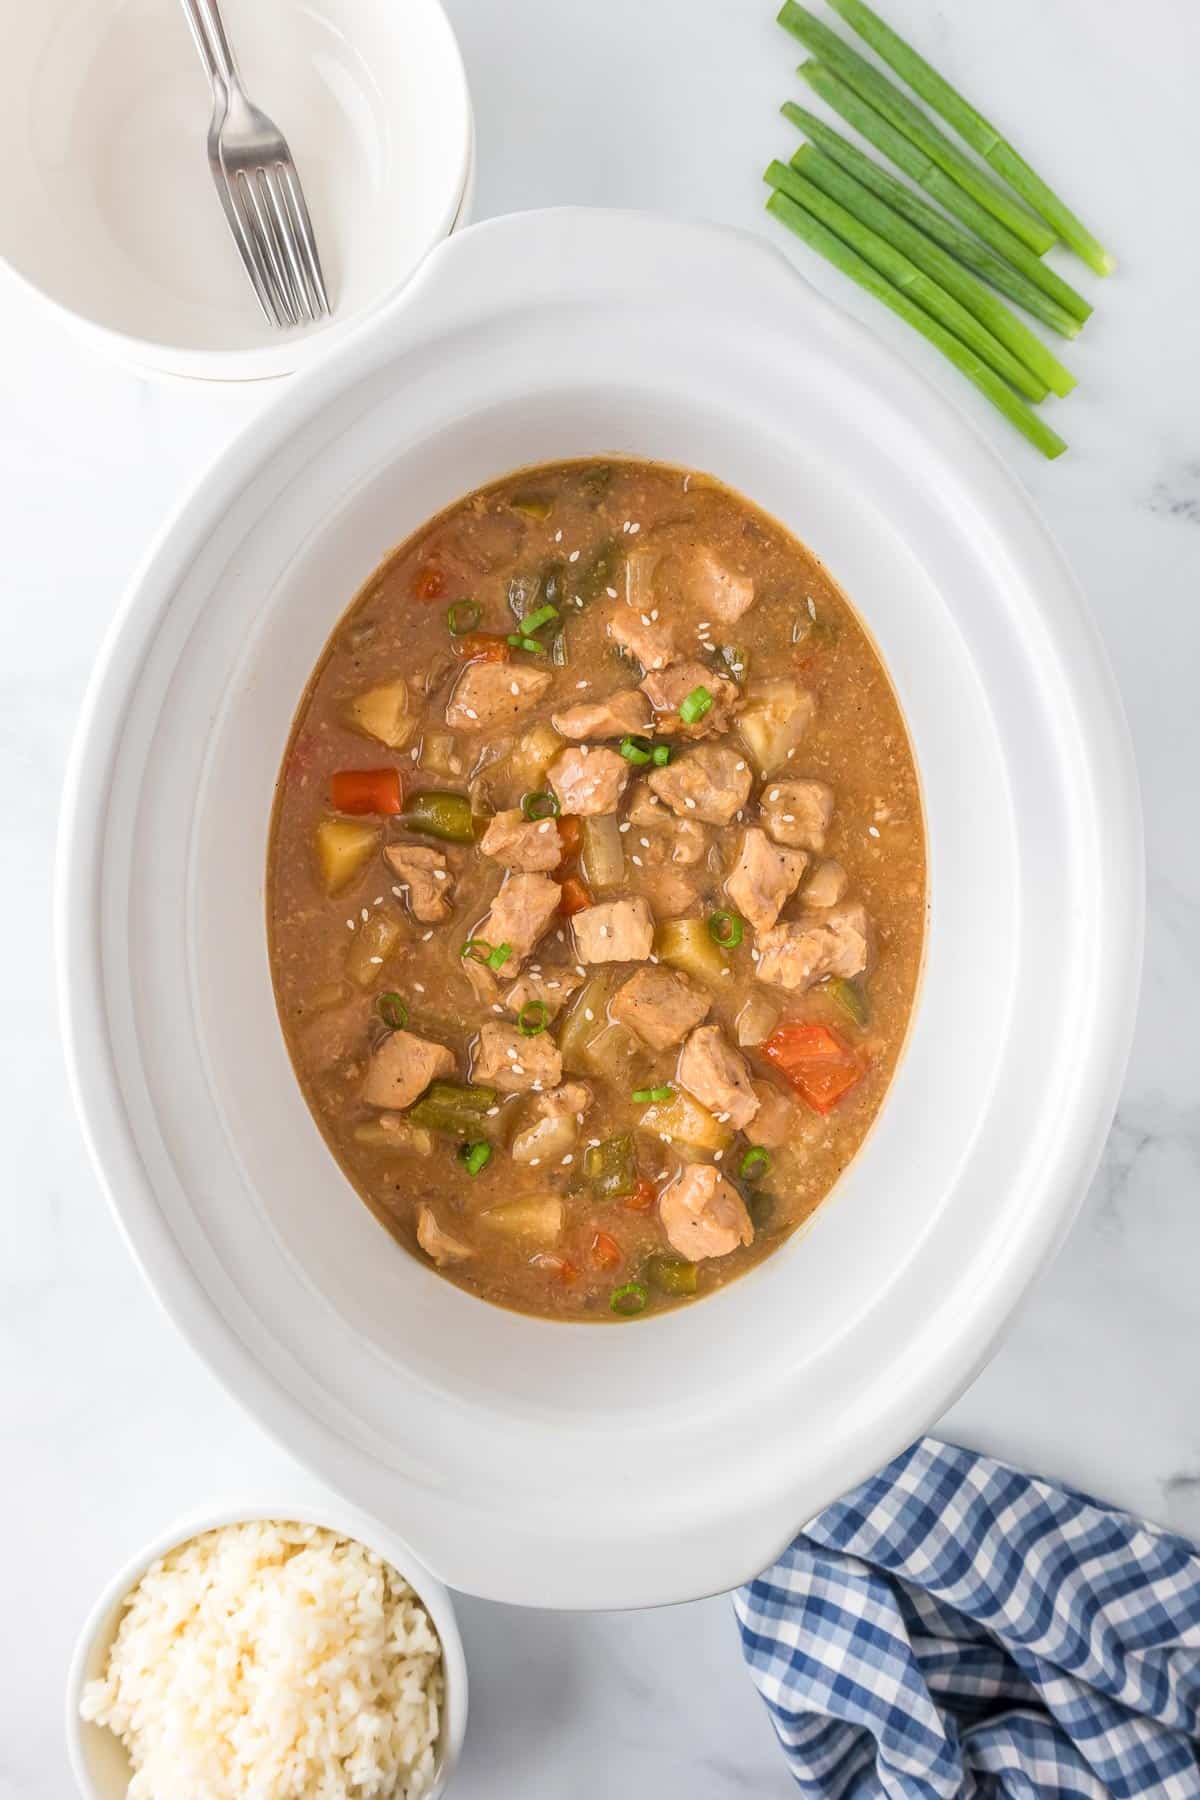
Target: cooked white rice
(270, 1661)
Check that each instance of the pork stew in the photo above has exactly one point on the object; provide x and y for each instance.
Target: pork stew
(596, 889)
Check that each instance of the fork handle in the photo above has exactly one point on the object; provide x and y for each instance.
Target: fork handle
(208, 29)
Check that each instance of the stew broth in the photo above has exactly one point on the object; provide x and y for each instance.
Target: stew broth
(596, 889)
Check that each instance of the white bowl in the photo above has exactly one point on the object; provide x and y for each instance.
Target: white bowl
(531, 1461)
(107, 207)
(98, 1758)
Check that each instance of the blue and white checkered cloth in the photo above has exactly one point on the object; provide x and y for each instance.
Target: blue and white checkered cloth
(953, 1627)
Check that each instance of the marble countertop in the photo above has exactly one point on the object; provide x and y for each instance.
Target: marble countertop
(109, 1426)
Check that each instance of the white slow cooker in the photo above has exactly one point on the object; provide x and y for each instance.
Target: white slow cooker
(529, 1461)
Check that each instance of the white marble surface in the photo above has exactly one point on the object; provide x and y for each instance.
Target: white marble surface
(108, 1425)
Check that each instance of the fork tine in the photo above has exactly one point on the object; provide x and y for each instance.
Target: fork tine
(308, 242)
(286, 234)
(247, 249)
(261, 230)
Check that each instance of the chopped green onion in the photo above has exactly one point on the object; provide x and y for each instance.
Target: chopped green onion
(673, 1274)
(651, 1095)
(393, 1011)
(476, 1156)
(694, 705)
(478, 949)
(462, 616)
(533, 506)
(629, 1300)
(532, 1018)
(725, 928)
(660, 756)
(542, 805)
(525, 643)
(535, 620)
(499, 957)
(636, 750)
(755, 1164)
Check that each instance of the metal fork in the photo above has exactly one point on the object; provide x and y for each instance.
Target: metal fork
(256, 180)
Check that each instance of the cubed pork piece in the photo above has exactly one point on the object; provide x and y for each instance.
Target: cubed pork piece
(658, 836)
(703, 1214)
(668, 892)
(614, 931)
(521, 843)
(795, 954)
(774, 1124)
(588, 779)
(718, 1076)
(764, 878)
(488, 694)
(437, 1244)
(718, 592)
(711, 782)
(506, 1059)
(659, 1005)
(622, 713)
(797, 813)
(426, 877)
(667, 689)
(826, 885)
(402, 1068)
(552, 988)
(651, 642)
(573, 1097)
(520, 914)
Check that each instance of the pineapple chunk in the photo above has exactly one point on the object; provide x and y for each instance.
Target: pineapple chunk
(534, 753)
(614, 1054)
(686, 1122)
(439, 753)
(776, 714)
(390, 1132)
(370, 947)
(538, 1217)
(688, 944)
(382, 713)
(343, 848)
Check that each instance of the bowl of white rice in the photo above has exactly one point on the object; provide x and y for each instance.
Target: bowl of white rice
(270, 1653)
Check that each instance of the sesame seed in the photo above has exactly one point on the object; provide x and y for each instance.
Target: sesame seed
(510, 1053)
(787, 818)
(581, 684)
(439, 875)
(492, 1111)
(812, 611)
(364, 915)
(517, 1069)
(644, 842)
(604, 931)
(611, 592)
(378, 900)
(375, 959)
(872, 831)
(704, 625)
(718, 1155)
(653, 958)
(399, 892)
(425, 936)
(496, 1007)
(634, 529)
(588, 1014)
(534, 1161)
(574, 556)
(645, 618)
(350, 923)
(689, 802)
(636, 861)
(514, 687)
(537, 1087)
(626, 826)
(625, 525)
(418, 987)
(739, 766)
(579, 969)
(567, 1161)
(774, 794)
(593, 1143)
(415, 752)
(654, 612)
(791, 753)
(470, 712)
(558, 537)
